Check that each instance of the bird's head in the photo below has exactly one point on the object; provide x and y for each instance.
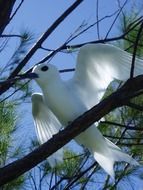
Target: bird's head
(45, 73)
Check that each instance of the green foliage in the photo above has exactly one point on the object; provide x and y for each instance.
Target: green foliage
(131, 37)
(16, 184)
(70, 165)
(7, 151)
(7, 127)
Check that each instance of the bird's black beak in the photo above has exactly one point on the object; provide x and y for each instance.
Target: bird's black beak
(30, 75)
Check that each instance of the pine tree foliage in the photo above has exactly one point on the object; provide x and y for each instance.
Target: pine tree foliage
(8, 149)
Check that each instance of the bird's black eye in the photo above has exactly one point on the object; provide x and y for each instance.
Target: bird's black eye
(44, 68)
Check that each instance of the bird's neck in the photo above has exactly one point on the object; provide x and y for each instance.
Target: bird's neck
(55, 85)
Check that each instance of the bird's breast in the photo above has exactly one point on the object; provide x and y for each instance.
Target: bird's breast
(64, 104)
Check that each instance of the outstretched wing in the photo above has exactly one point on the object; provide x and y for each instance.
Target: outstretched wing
(97, 65)
(46, 125)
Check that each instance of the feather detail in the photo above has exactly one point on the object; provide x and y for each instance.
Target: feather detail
(46, 125)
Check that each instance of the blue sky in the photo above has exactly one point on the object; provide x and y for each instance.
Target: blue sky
(36, 17)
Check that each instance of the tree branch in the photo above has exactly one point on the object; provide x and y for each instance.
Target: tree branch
(5, 12)
(38, 44)
(20, 4)
(136, 23)
(128, 127)
(117, 99)
(135, 49)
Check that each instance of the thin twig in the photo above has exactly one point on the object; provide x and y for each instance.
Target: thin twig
(116, 19)
(135, 106)
(64, 46)
(66, 70)
(10, 35)
(88, 179)
(20, 4)
(122, 125)
(135, 50)
(79, 176)
(123, 138)
(14, 91)
(97, 18)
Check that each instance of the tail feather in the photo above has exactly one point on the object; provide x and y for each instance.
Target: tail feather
(107, 158)
(118, 155)
(106, 163)
(103, 150)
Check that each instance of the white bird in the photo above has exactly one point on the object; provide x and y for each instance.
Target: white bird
(63, 101)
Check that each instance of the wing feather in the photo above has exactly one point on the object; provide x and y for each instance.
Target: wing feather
(98, 65)
(46, 125)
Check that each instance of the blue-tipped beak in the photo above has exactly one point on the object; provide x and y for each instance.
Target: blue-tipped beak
(30, 75)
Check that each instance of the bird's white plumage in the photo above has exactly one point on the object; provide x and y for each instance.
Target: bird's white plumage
(46, 125)
(97, 65)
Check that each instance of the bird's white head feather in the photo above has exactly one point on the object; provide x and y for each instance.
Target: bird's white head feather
(46, 73)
